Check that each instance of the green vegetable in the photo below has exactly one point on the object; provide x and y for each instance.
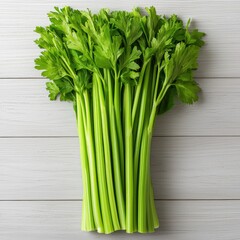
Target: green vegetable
(120, 69)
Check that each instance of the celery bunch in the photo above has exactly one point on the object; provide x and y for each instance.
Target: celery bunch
(120, 69)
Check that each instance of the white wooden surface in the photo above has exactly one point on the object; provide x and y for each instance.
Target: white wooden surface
(180, 220)
(182, 167)
(195, 153)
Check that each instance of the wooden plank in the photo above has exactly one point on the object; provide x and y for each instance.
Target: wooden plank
(25, 110)
(179, 220)
(182, 168)
(219, 19)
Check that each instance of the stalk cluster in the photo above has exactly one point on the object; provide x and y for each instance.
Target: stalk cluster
(120, 69)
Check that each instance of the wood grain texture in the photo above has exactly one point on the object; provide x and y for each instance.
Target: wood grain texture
(195, 166)
(25, 110)
(219, 19)
(179, 220)
(182, 168)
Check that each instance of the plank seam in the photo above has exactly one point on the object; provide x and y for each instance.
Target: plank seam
(80, 200)
(41, 78)
(157, 136)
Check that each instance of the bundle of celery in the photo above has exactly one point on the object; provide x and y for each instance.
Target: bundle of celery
(120, 69)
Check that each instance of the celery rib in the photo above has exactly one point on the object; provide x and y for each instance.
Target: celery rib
(116, 156)
(87, 217)
(92, 165)
(129, 158)
(108, 161)
(101, 169)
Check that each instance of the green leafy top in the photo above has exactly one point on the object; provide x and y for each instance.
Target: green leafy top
(77, 44)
